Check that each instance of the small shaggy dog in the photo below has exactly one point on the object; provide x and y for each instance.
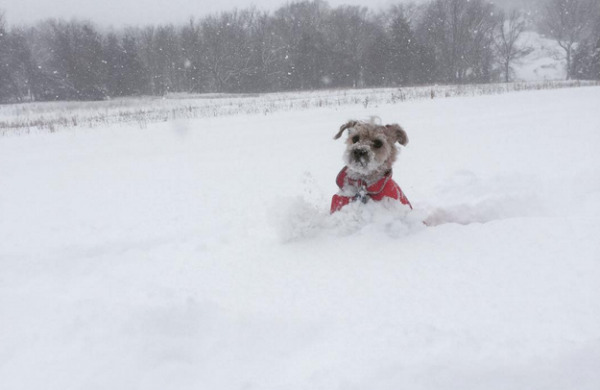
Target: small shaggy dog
(370, 154)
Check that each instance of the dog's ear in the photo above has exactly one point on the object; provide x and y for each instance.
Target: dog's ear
(345, 126)
(398, 134)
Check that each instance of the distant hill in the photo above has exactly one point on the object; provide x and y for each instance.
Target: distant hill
(520, 4)
(545, 62)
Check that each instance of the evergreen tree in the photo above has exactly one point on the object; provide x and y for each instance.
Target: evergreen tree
(425, 66)
(115, 71)
(403, 53)
(136, 79)
(378, 61)
(191, 52)
(311, 66)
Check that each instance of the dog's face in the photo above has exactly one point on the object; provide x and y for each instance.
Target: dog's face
(371, 148)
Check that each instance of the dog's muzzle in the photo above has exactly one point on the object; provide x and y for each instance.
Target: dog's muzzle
(360, 156)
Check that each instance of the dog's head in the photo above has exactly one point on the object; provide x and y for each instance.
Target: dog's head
(371, 148)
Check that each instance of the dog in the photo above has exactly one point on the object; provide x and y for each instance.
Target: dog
(370, 153)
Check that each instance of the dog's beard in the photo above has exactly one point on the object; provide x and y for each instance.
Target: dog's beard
(364, 165)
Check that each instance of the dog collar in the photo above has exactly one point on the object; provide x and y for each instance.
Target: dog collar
(363, 191)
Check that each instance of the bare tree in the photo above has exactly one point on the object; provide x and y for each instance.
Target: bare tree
(506, 43)
(567, 21)
(347, 40)
(301, 25)
(460, 33)
(227, 53)
(304, 44)
(268, 51)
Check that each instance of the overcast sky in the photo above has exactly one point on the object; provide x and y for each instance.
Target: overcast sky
(131, 12)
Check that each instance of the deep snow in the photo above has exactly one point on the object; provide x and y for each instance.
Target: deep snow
(199, 254)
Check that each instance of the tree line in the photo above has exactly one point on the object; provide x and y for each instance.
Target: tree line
(303, 45)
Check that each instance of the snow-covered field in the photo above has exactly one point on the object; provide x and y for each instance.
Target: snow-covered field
(44, 117)
(199, 254)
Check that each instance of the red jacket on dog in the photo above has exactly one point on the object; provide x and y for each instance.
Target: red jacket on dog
(385, 187)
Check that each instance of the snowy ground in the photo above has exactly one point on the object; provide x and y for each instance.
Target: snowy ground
(45, 117)
(199, 254)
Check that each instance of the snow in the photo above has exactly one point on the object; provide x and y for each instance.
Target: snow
(27, 118)
(545, 62)
(200, 253)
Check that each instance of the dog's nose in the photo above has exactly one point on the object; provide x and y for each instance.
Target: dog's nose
(359, 153)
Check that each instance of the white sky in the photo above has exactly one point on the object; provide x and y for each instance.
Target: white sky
(132, 12)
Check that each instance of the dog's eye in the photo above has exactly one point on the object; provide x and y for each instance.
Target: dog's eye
(355, 139)
(377, 144)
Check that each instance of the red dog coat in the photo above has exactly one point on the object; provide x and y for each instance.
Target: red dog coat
(385, 187)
